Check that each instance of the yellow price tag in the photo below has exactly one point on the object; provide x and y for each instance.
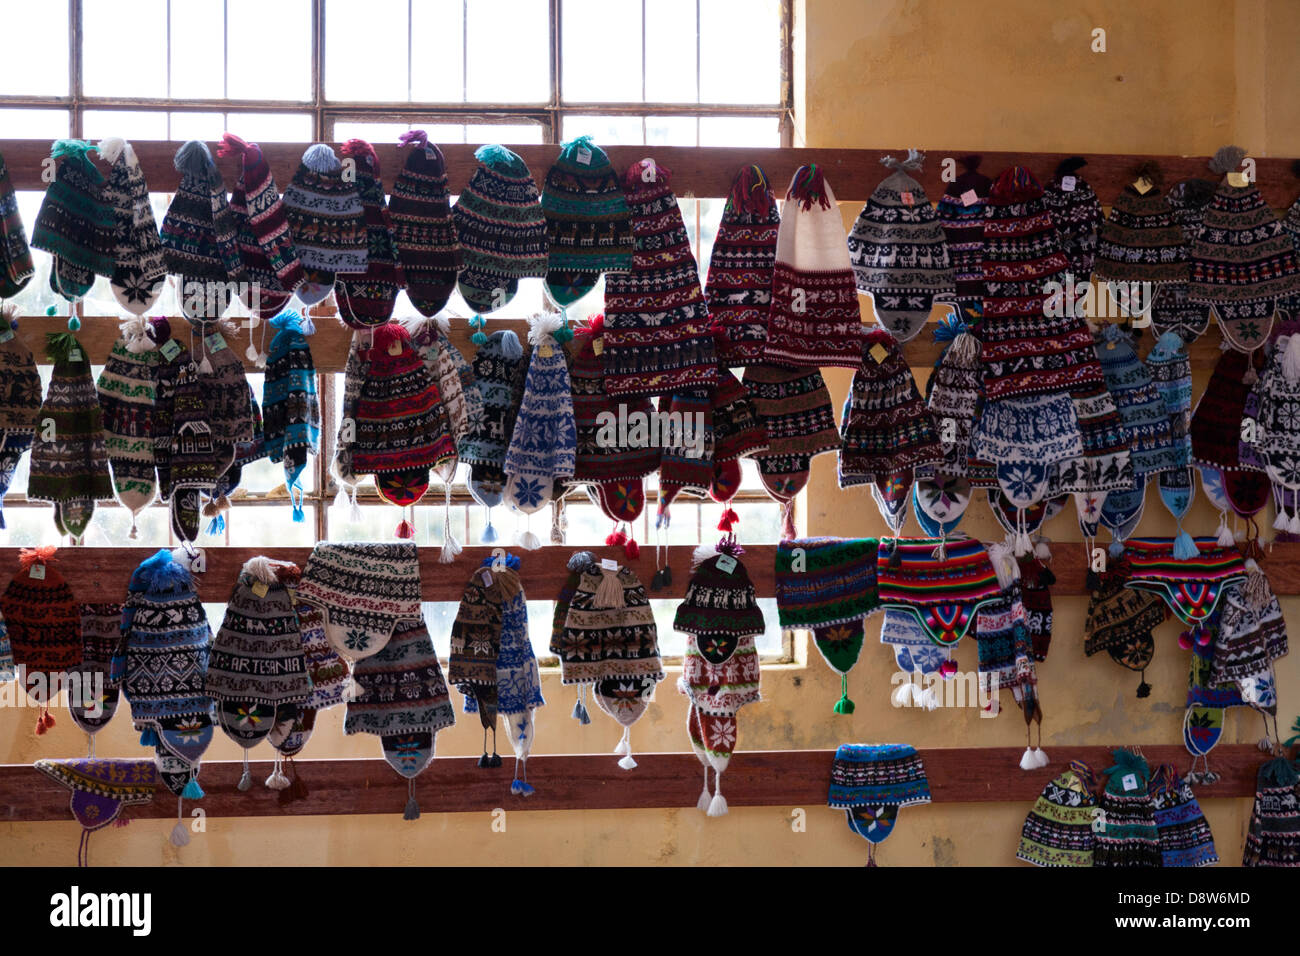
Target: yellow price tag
(879, 353)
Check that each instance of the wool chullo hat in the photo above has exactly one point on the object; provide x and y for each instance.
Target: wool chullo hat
(457, 387)
(1129, 837)
(1001, 629)
(476, 641)
(1174, 311)
(1216, 424)
(871, 783)
(266, 245)
(1290, 305)
(70, 467)
(139, 269)
(290, 407)
(953, 395)
(1120, 620)
(738, 432)
(657, 339)
(327, 221)
(367, 299)
(500, 369)
(325, 669)
(943, 593)
(1192, 588)
(1277, 437)
(961, 212)
(42, 618)
(1251, 634)
(424, 231)
(1171, 373)
(93, 702)
(914, 653)
(501, 228)
(588, 222)
(1058, 830)
(686, 462)
(1181, 827)
(1077, 214)
(354, 374)
(75, 225)
(1145, 418)
(1140, 243)
(899, 251)
(1242, 260)
(20, 402)
(365, 591)
(200, 236)
(102, 788)
(1273, 836)
(16, 266)
(815, 319)
(127, 390)
(739, 283)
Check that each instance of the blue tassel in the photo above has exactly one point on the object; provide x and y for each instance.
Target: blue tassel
(521, 788)
(1116, 548)
(478, 338)
(149, 737)
(2, 520)
(1185, 547)
(74, 324)
(489, 533)
(192, 790)
(295, 496)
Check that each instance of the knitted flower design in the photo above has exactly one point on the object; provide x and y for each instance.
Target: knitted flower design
(134, 287)
(356, 640)
(189, 731)
(1021, 482)
(249, 716)
(625, 696)
(481, 645)
(528, 492)
(839, 636)
(407, 752)
(723, 735)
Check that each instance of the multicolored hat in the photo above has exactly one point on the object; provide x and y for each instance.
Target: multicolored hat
(200, 236)
(871, 783)
(1273, 837)
(1191, 588)
(1216, 424)
(75, 225)
(953, 395)
(1181, 827)
(127, 391)
(1141, 249)
(899, 252)
(102, 787)
(815, 319)
(1059, 828)
(423, 229)
(1251, 635)
(1077, 214)
(739, 283)
(944, 593)
(139, 269)
(588, 223)
(1277, 431)
(1171, 373)
(501, 371)
(16, 266)
(1174, 311)
(1129, 837)
(93, 701)
(686, 463)
(327, 220)
(290, 408)
(657, 337)
(20, 401)
(43, 621)
(961, 212)
(328, 673)
(1120, 620)
(367, 299)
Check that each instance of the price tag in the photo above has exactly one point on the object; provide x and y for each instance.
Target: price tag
(261, 589)
(37, 572)
(487, 578)
(6, 334)
(878, 353)
(608, 564)
(726, 563)
(1130, 781)
(215, 342)
(1068, 183)
(546, 351)
(584, 156)
(395, 347)
(75, 355)
(170, 349)
(598, 345)
(969, 198)
(908, 199)
(1143, 186)
(1238, 179)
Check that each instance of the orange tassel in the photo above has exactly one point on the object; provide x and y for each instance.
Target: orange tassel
(29, 556)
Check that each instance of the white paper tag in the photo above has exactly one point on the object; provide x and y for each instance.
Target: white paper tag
(170, 349)
(37, 572)
(584, 156)
(1068, 183)
(215, 342)
(1130, 781)
(726, 563)
(6, 335)
(487, 578)
(75, 355)
(908, 199)
(261, 589)
(608, 564)
(969, 198)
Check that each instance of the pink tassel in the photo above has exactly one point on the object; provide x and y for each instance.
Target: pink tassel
(405, 530)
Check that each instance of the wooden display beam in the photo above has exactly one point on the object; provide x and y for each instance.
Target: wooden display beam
(760, 778)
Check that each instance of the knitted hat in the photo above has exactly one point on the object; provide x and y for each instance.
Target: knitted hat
(1191, 588)
(739, 284)
(1174, 310)
(327, 221)
(20, 401)
(1273, 837)
(457, 387)
(501, 372)
(501, 227)
(139, 270)
(354, 375)
(1251, 635)
(1290, 305)
(738, 433)
(657, 339)
(953, 394)
(44, 626)
(266, 246)
(542, 445)
(1144, 415)
(102, 787)
(1120, 621)
(1077, 214)
(720, 673)
(961, 212)
(367, 299)
(1058, 830)
(1171, 373)
(365, 591)
(423, 229)
(476, 642)
(1208, 702)
(871, 783)
(942, 593)
(92, 702)
(577, 564)
(16, 265)
(290, 408)
(1140, 244)
(1277, 435)
(200, 236)
(75, 225)
(404, 701)
(815, 319)
(1181, 827)
(127, 390)
(588, 223)
(899, 252)
(1129, 837)
(829, 586)
(1216, 423)
(70, 466)
(328, 673)
(914, 654)
(687, 436)
(1242, 260)
(1005, 652)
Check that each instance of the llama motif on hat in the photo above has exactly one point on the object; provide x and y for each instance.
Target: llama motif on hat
(899, 252)
(1141, 245)
(1273, 836)
(367, 299)
(424, 231)
(139, 269)
(739, 283)
(1077, 214)
(327, 221)
(1120, 621)
(871, 783)
(16, 266)
(75, 225)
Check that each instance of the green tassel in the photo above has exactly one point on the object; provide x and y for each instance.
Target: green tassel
(74, 324)
(844, 705)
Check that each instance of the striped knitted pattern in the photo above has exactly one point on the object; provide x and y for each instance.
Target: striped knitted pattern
(1249, 638)
(914, 652)
(723, 688)
(588, 223)
(365, 591)
(75, 224)
(877, 775)
(1129, 837)
(1188, 201)
(1192, 587)
(739, 283)
(543, 442)
(1291, 223)
(1174, 311)
(354, 374)
(167, 377)
(16, 265)
(684, 468)
(1002, 639)
(325, 669)
(963, 228)
(457, 388)
(43, 621)
(501, 227)
(823, 581)
(257, 654)
(944, 593)
(719, 603)
(1077, 215)
(500, 383)
(1146, 422)
(101, 633)
(199, 233)
(1140, 241)
(1120, 620)
(602, 642)
(953, 394)
(262, 228)
(1024, 350)
(403, 690)
(1106, 465)
(657, 339)
(1181, 827)
(1242, 263)
(367, 300)
(1058, 829)
(327, 220)
(885, 428)
(1216, 423)
(738, 432)
(168, 642)
(139, 267)
(423, 229)
(20, 388)
(126, 395)
(1273, 836)
(290, 407)
(196, 458)
(519, 686)
(900, 255)
(597, 460)
(476, 632)
(228, 398)
(794, 408)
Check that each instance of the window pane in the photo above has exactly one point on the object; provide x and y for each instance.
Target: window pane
(129, 124)
(36, 49)
(754, 76)
(601, 51)
(606, 130)
(198, 54)
(670, 52)
(740, 131)
(205, 126)
(124, 45)
(271, 127)
(507, 59)
(366, 50)
(437, 38)
(504, 133)
(440, 133)
(35, 124)
(261, 68)
(670, 131)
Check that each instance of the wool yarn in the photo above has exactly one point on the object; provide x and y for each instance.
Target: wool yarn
(424, 231)
(739, 283)
(1174, 311)
(200, 236)
(657, 339)
(93, 698)
(457, 387)
(871, 783)
(954, 392)
(502, 229)
(290, 407)
(588, 222)
(1277, 433)
(266, 246)
(918, 659)
(16, 266)
(476, 642)
(961, 211)
(686, 462)
(364, 591)
(814, 319)
(69, 462)
(75, 225)
(1058, 829)
(325, 669)
(102, 788)
(43, 623)
(944, 593)
(1181, 827)
(1271, 839)
(738, 433)
(1120, 620)
(1129, 837)
(899, 252)
(127, 391)
(1191, 588)
(500, 369)
(1251, 634)
(1002, 630)
(367, 299)
(139, 269)
(1077, 214)
(354, 374)
(327, 221)
(1216, 423)
(1141, 245)
(20, 402)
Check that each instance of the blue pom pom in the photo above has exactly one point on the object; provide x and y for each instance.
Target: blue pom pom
(1185, 547)
(478, 338)
(192, 790)
(74, 324)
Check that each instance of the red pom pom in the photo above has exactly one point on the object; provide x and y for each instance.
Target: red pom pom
(1185, 640)
(728, 520)
(615, 539)
(632, 549)
(40, 726)
(405, 530)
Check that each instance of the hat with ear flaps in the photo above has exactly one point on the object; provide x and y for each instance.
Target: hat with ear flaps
(75, 225)
(1174, 311)
(1273, 835)
(44, 625)
(200, 236)
(366, 299)
(424, 231)
(327, 221)
(1129, 837)
(899, 252)
(290, 407)
(1171, 374)
(500, 369)
(69, 462)
(93, 701)
(1058, 830)
(20, 399)
(688, 439)
(1290, 305)
(961, 213)
(127, 390)
(102, 788)
(738, 433)
(228, 482)
(16, 266)
(1120, 620)
(266, 245)
(1077, 214)
(578, 562)
(720, 674)
(476, 642)
(871, 783)
(139, 269)
(1141, 245)
(1242, 259)
(739, 283)
(1276, 444)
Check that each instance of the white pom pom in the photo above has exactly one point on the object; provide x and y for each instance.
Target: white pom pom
(1293, 526)
(930, 699)
(702, 804)
(718, 805)
(902, 695)
(1224, 539)
(1040, 757)
(627, 763)
(1280, 521)
(1028, 761)
(180, 834)
(528, 541)
(1041, 550)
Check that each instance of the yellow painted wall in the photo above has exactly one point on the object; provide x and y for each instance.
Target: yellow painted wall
(1004, 74)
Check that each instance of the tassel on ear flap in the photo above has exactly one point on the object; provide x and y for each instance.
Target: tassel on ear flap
(412, 811)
